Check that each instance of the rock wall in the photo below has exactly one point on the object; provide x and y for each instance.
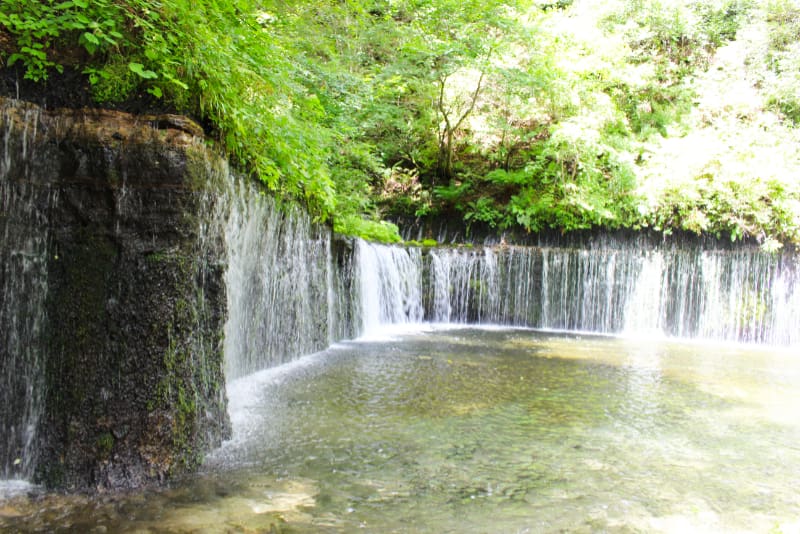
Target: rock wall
(130, 345)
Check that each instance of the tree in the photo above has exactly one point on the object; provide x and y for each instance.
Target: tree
(460, 40)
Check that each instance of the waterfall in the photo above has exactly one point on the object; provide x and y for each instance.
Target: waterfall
(643, 311)
(743, 295)
(292, 288)
(285, 286)
(23, 282)
(464, 287)
(750, 297)
(390, 284)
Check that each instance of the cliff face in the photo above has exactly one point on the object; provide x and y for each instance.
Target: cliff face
(126, 286)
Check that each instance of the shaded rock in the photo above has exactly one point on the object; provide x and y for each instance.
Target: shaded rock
(131, 342)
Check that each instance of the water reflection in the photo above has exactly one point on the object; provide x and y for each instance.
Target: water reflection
(486, 431)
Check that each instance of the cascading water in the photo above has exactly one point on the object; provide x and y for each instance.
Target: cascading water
(456, 294)
(390, 285)
(750, 297)
(743, 295)
(23, 281)
(285, 285)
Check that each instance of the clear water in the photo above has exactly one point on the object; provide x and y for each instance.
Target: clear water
(486, 430)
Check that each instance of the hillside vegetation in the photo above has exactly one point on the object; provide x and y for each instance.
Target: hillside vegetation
(521, 114)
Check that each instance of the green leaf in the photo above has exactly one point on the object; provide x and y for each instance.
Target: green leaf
(38, 54)
(139, 69)
(179, 83)
(91, 38)
(175, 81)
(13, 58)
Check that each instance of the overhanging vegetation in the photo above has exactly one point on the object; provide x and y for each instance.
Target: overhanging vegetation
(508, 114)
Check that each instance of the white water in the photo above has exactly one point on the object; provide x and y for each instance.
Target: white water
(738, 296)
(390, 283)
(283, 283)
(23, 282)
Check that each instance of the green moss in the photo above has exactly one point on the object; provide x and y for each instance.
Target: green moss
(156, 257)
(177, 393)
(105, 442)
(202, 171)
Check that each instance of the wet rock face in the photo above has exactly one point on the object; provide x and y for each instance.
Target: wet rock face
(131, 348)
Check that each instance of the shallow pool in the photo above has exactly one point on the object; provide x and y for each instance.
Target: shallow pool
(486, 430)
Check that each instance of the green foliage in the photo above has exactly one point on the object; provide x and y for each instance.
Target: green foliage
(722, 20)
(219, 60)
(39, 28)
(730, 208)
(679, 35)
(718, 202)
(507, 113)
(381, 231)
(783, 57)
(783, 16)
(487, 211)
